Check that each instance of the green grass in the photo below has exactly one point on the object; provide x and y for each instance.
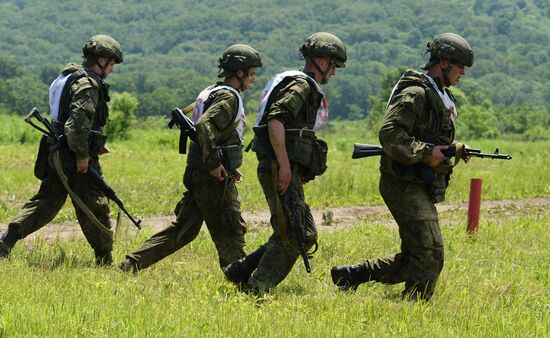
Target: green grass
(146, 172)
(495, 284)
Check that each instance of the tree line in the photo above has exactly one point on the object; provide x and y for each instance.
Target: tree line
(171, 51)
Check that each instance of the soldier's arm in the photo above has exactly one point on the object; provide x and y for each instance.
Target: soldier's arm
(405, 110)
(82, 111)
(289, 103)
(217, 118)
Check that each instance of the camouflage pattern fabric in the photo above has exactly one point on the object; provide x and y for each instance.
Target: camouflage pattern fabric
(44, 206)
(293, 105)
(413, 114)
(206, 199)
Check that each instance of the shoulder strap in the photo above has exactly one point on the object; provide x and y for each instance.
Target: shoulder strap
(64, 102)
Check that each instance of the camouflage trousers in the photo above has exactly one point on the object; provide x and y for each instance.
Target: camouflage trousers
(279, 257)
(45, 205)
(206, 199)
(421, 258)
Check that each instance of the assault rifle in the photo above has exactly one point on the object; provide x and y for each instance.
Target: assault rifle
(366, 150)
(92, 172)
(296, 222)
(187, 128)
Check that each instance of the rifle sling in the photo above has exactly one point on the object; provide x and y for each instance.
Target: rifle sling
(74, 196)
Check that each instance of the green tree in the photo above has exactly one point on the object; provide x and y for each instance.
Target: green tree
(122, 116)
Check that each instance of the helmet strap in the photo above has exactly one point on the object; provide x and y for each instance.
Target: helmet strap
(101, 67)
(322, 72)
(446, 74)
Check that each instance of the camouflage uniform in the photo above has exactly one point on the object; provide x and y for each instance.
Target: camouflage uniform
(88, 111)
(215, 202)
(295, 106)
(415, 115)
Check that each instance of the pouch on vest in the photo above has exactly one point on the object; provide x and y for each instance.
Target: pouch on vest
(439, 186)
(318, 160)
(41, 166)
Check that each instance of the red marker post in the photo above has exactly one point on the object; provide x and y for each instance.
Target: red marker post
(474, 205)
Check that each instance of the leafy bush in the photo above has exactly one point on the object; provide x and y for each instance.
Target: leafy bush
(121, 116)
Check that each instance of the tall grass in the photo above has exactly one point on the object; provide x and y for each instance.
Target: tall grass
(495, 284)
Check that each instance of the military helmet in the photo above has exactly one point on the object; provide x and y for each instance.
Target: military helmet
(323, 44)
(449, 46)
(237, 57)
(103, 46)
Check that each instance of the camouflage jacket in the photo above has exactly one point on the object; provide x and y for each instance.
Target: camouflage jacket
(213, 124)
(415, 114)
(88, 113)
(295, 105)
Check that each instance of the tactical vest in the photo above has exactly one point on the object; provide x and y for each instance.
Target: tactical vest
(60, 102)
(438, 129)
(302, 145)
(231, 155)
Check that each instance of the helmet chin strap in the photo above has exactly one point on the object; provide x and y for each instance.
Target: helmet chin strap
(323, 73)
(241, 79)
(446, 74)
(102, 68)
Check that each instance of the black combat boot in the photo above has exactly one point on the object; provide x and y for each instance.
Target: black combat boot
(239, 272)
(129, 265)
(7, 241)
(349, 277)
(103, 258)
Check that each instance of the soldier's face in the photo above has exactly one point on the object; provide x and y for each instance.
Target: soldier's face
(456, 72)
(250, 78)
(108, 64)
(329, 67)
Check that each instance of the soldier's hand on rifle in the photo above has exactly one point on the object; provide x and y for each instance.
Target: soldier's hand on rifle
(437, 156)
(104, 150)
(219, 173)
(238, 176)
(466, 158)
(82, 166)
(285, 176)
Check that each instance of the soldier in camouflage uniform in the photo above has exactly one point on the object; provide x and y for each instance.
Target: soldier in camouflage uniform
(293, 106)
(78, 108)
(212, 169)
(421, 112)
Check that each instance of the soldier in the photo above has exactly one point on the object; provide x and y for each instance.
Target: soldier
(293, 106)
(212, 169)
(78, 108)
(421, 111)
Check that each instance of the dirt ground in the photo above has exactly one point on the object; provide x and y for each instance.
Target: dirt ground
(330, 219)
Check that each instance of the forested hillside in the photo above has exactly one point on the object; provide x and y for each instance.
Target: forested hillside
(171, 47)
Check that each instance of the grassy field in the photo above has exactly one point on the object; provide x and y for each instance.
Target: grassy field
(495, 284)
(146, 172)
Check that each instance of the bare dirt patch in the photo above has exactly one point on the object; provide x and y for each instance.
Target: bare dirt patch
(329, 219)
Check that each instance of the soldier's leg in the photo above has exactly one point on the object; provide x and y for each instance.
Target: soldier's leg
(36, 213)
(279, 258)
(169, 240)
(98, 203)
(222, 215)
(421, 242)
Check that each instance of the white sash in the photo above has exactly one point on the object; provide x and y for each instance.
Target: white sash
(322, 111)
(198, 110)
(56, 89)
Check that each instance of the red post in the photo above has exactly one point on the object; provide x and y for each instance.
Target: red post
(474, 205)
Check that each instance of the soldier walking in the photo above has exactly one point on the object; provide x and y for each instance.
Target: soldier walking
(292, 108)
(421, 112)
(78, 109)
(212, 169)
